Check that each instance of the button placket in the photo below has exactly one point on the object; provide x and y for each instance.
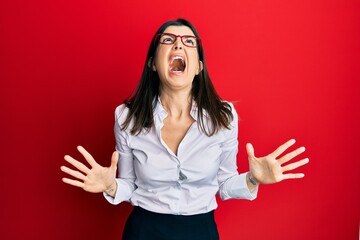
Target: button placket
(182, 176)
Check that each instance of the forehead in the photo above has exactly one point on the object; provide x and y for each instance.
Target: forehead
(179, 30)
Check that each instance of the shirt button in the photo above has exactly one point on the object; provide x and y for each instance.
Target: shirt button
(182, 176)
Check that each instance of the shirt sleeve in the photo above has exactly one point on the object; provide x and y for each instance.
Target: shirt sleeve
(126, 176)
(232, 184)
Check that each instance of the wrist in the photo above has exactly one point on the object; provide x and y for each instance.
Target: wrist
(111, 189)
(252, 179)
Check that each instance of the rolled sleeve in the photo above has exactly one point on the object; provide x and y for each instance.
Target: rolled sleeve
(123, 193)
(236, 187)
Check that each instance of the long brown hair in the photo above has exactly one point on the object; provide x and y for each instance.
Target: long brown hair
(143, 100)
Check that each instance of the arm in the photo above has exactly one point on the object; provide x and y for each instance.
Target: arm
(232, 184)
(263, 170)
(126, 175)
(97, 178)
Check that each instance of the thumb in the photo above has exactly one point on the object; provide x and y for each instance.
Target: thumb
(114, 160)
(250, 150)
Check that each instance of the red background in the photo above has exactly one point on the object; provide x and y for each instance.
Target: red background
(292, 67)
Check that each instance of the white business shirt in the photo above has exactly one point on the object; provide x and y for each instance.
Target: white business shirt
(151, 176)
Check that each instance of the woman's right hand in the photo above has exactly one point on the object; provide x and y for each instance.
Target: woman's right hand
(95, 179)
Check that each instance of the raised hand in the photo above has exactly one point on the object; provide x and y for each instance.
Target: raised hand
(269, 169)
(95, 179)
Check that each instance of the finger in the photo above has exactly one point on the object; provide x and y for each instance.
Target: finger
(295, 165)
(87, 156)
(283, 148)
(291, 155)
(73, 182)
(293, 176)
(73, 173)
(250, 150)
(78, 165)
(114, 160)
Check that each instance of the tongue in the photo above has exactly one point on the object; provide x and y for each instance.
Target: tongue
(177, 65)
(176, 69)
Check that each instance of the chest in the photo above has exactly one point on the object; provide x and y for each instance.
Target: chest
(198, 157)
(174, 131)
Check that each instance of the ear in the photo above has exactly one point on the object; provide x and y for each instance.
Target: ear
(201, 67)
(151, 64)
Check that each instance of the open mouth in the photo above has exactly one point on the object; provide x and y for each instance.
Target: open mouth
(177, 64)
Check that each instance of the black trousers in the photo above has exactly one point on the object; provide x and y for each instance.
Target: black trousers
(146, 225)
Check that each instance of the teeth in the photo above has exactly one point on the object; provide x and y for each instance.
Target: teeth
(177, 57)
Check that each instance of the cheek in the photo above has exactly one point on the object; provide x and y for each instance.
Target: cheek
(194, 63)
(193, 54)
(160, 61)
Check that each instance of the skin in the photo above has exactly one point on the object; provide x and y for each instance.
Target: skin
(179, 82)
(175, 96)
(175, 88)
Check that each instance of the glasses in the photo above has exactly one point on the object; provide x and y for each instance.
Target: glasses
(187, 40)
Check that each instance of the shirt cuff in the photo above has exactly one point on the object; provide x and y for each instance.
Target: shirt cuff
(237, 188)
(123, 193)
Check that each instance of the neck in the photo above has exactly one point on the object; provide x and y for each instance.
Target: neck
(176, 104)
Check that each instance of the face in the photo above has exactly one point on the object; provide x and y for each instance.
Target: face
(177, 64)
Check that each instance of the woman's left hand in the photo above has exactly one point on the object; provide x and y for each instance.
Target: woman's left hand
(269, 169)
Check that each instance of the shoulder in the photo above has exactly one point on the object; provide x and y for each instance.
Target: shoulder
(233, 121)
(231, 107)
(121, 113)
(230, 104)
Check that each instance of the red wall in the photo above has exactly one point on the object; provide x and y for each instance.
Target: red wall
(292, 67)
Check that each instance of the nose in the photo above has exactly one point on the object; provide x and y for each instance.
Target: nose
(178, 45)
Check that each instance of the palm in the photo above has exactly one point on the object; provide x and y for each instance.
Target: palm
(269, 169)
(99, 179)
(95, 179)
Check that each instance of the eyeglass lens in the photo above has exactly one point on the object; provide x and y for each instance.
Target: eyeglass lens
(189, 41)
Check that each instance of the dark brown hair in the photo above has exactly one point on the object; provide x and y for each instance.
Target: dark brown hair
(143, 100)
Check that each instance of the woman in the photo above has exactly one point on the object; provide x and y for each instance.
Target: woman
(176, 142)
